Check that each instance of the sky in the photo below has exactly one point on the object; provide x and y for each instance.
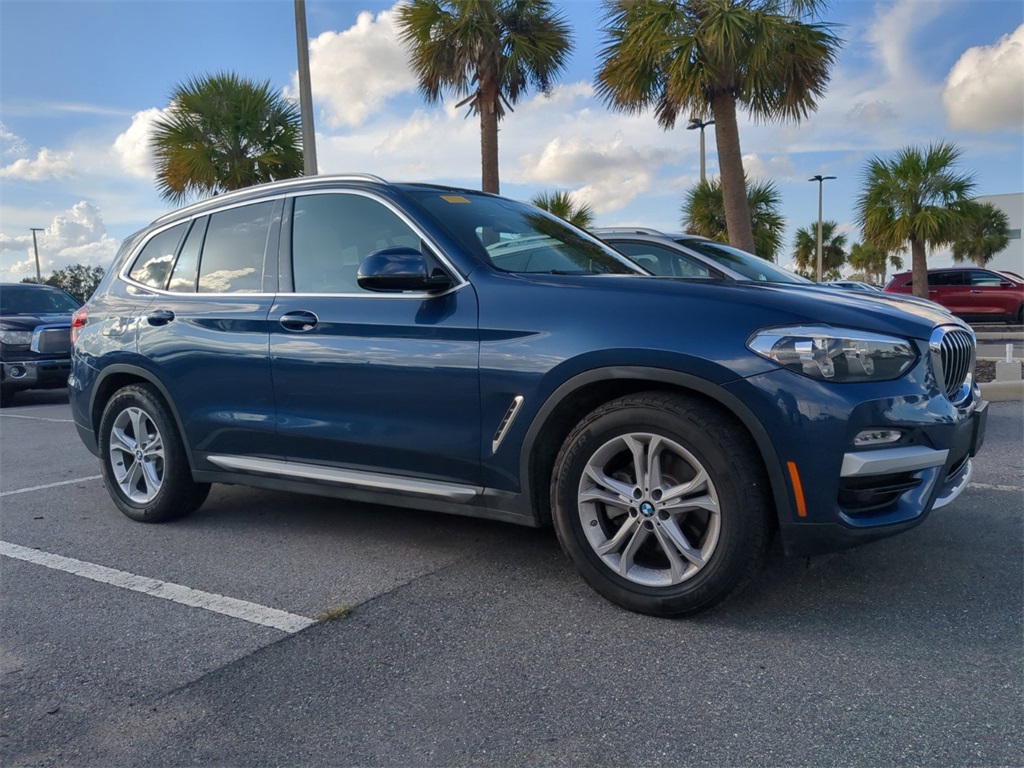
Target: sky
(81, 83)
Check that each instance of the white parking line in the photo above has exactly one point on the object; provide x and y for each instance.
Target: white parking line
(51, 485)
(37, 418)
(987, 487)
(228, 606)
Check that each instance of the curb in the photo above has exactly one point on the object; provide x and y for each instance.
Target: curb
(1002, 391)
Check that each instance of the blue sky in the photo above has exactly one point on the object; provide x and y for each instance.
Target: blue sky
(81, 82)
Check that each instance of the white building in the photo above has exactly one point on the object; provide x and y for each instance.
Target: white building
(1010, 258)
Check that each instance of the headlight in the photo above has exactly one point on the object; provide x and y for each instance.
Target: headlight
(15, 337)
(835, 354)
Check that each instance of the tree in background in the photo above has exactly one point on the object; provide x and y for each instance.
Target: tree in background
(704, 214)
(916, 198)
(223, 132)
(489, 52)
(985, 233)
(833, 250)
(561, 205)
(872, 261)
(706, 58)
(78, 279)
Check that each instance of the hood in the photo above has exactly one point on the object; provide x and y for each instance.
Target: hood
(31, 322)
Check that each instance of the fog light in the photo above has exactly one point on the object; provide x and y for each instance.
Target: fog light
(16, 371)
(877, 437)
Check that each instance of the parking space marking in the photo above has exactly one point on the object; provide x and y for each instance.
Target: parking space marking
(227, 606)
(987, 487)
(37, 418)
(51, 485)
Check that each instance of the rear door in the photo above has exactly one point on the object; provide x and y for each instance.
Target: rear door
(383, 383)
(949, 290)
(205, 334)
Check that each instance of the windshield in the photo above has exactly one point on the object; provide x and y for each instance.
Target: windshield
(515, 237)
(32, 300)
(748, 265)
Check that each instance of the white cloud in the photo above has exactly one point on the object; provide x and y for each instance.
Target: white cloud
(777, 168)
(984, 90)
(47, 165)
(77, 236)
(132, 147)
(614, 191)
(13, 145)
(574, 160)
(356, 71)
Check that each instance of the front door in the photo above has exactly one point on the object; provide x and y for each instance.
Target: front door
(377, 382)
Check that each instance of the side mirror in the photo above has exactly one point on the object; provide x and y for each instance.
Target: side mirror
(400, 269)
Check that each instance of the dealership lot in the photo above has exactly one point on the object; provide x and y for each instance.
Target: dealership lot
(442, 640)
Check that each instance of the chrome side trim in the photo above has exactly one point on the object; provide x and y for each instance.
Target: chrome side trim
(953, 488)
(891, 460)
(351, 477)
(506, 422)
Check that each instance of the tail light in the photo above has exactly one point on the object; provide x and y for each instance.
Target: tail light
(78, 322)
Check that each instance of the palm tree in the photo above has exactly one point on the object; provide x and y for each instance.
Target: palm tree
(833, 250)
(872, 261)
(704, 214)
(986, 233)
(488, 52)
(915, 198)
(224, 132)
(705, 58)
(561, 205)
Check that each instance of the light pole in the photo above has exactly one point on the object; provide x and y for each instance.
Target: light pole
(696, 123)
(35, 249)
(820, 179)
(305, 91)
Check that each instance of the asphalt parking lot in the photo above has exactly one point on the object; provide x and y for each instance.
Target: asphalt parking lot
(433, 640)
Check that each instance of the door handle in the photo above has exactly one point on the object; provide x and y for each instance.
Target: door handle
(975, 290)
(160, 317)
(299, 321)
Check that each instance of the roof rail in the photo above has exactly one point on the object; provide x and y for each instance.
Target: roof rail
(627, 230)
(273, 185)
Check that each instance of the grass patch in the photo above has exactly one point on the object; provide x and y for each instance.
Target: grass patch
(335, 613)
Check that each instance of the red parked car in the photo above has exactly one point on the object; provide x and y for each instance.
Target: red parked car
(970, 292)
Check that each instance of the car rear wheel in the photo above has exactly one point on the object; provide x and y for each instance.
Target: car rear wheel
(7, 397)
(661, 503)
(143, 459)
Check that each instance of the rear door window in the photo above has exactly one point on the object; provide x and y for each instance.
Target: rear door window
(153, 264)
(235, 248)
(946, 278)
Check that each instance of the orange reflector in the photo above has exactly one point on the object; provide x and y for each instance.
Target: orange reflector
(798, 491)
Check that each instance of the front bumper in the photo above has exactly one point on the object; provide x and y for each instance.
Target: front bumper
(850, 495)
(34, 374)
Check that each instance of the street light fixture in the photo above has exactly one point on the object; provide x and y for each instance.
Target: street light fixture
(694, 124)
(820, 179)
(35, 249)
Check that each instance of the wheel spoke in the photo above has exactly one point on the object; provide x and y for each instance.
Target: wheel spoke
(154, 447)
(696, 502)
(152, 477)
(138, 426)
(616, 541)
(133, 479)
(676, 565)
(675, 534)
(686, 489)
(120, 441)
(639, 460)
(623, 490)
(626, 560)
(605, 497)
(653, 479)
(124, 469)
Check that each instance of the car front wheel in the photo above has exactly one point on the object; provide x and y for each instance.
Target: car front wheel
(143, 459)
(662, 503)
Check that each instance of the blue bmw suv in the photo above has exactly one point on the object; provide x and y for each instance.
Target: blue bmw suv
(448, 350)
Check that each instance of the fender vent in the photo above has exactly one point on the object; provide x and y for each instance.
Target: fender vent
(506, 422)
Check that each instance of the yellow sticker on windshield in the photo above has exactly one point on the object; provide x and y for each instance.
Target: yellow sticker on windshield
(454, 198)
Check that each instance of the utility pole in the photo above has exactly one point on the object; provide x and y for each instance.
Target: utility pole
(820, 179)
(35, 249)
(305, 91)
(695, 123)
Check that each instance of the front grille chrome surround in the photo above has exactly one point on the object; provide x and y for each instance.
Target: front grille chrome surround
(953, 350)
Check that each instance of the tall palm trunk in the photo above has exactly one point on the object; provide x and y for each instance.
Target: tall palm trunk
(488, 130)
(919, 267)
(730, 166)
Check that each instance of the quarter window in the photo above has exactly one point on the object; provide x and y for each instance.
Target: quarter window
(332, 234)
(153, 264)
(985, 278)
(236, 243)
(186, 268)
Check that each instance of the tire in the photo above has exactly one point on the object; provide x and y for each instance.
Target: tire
(7, 397)
(150, 482)
(680, 542)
